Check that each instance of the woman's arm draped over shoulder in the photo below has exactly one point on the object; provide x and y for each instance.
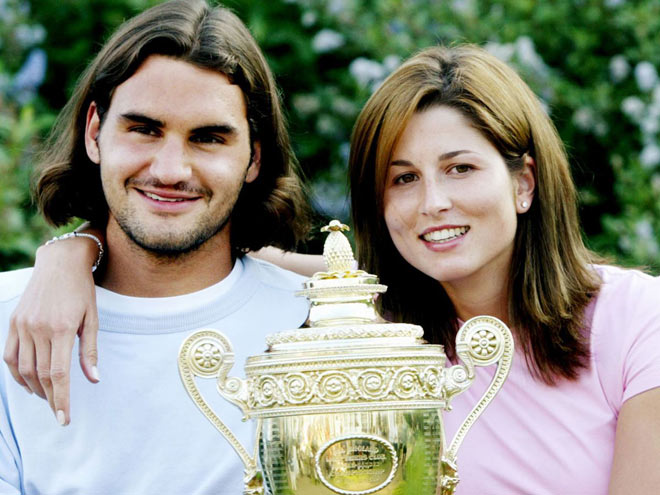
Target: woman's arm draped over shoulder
(58, 303)
(305, 264)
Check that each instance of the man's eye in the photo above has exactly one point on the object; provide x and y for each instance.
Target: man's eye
(405, 178)
(207, 139)
(143, 129)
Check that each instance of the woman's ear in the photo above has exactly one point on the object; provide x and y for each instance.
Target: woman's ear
(92, 129)
(255, 164)
(525, 185)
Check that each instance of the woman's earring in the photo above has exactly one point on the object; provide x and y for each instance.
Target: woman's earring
(524, 204)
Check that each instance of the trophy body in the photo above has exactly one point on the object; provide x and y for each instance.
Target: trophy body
(351, 404)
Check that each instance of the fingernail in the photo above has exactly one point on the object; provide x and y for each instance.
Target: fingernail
(61, 419)
(95, 373)
(27, 389)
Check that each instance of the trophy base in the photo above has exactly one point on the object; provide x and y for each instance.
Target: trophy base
(353, 453)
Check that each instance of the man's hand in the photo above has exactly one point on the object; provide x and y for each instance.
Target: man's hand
(58, 303)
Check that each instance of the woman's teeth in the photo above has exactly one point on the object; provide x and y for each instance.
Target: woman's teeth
(445, 235)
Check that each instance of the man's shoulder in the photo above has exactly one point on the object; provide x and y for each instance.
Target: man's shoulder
(13, 283)
(272, 275)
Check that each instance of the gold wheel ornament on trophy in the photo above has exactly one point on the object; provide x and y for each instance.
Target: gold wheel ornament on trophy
(348, 404)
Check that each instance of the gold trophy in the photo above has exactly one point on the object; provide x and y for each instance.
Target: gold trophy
(349, 404)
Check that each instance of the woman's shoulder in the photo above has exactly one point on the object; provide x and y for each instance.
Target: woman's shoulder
(628, 302)
(625, 333)
(627, 286)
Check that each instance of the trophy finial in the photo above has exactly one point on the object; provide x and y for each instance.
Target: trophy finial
(337, 251)
(334, 226)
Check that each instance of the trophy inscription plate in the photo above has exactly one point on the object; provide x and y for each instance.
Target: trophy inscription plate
(356, 464)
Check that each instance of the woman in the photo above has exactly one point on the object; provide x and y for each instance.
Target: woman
(463, 204)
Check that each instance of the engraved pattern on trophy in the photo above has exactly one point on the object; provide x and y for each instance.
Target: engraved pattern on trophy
(348, 386)
(481, 341)
(347, 332)
(349, 404)
(206, 354)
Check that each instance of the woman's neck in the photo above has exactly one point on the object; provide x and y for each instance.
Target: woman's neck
(485, 293)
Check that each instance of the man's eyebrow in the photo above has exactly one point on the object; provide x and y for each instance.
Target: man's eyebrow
(226, 129)
(444, 156)
(142, 119)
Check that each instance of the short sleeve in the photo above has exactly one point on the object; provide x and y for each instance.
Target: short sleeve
(626, 334)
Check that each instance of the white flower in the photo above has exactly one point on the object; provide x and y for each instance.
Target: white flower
(327, 40)
(614, 3)
(633, 107)
(650, 155)
(343, 106)
(528, 56)
(28, 36)
(644, 232)
(463, 6)
(502, 51)
(366, 71)
(306, 104)
(646, 76)
(308, 19)
(336, 6)
(655, 183)
(656, 94)
(649, 125)
(391, 62)
(619, 68)
(601, 128)
(584, 118)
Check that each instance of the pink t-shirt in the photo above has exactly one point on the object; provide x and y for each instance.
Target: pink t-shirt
(536, 439)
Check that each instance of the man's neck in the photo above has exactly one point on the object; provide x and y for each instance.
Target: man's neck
(134, 271)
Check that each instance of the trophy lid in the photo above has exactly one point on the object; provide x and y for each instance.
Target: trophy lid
(342, 304)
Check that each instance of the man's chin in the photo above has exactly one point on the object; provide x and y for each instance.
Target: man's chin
(169, 248)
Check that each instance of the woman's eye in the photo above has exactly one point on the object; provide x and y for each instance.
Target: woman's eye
(462, 168)
(405, 178)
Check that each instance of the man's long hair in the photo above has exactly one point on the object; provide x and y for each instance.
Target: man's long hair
(272, 210)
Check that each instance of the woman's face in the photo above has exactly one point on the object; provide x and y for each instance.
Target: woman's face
(450, 202)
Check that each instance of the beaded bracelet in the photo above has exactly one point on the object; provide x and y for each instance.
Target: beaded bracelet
(69, 235)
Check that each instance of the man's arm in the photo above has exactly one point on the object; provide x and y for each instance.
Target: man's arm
(58, 304)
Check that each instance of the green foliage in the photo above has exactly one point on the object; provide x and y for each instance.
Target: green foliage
(594, 63)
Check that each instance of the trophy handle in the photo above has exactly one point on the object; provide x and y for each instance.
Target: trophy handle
(481, 341)
(209, 354)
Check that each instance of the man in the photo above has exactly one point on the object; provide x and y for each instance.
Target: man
(174, 140)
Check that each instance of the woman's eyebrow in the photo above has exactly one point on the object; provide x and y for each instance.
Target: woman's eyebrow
(444, 156)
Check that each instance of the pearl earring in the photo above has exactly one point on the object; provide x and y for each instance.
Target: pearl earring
(524, 204)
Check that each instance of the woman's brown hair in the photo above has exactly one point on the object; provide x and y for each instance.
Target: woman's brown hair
(272, 210)
(551, 280)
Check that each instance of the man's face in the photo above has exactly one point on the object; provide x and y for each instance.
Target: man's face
(174, 151)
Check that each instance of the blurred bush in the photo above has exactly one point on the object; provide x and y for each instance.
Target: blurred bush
(594, 63)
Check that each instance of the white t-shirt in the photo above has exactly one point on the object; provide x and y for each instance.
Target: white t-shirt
(137, 432)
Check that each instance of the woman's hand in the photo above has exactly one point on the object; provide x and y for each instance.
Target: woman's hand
(58, 303)
(637, 447)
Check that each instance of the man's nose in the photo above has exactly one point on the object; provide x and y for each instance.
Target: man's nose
(171, 163)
